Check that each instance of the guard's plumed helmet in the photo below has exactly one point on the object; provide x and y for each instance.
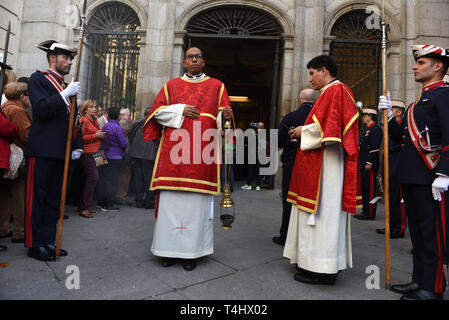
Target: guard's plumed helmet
(420, 51)
(368, 110)
(398, 104)
(53, 46)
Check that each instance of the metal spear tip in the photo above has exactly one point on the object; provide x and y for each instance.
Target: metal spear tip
(85, 7)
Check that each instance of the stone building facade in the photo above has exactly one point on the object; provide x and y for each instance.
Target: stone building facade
(307, 29)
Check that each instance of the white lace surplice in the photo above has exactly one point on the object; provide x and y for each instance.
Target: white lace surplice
(323, 245)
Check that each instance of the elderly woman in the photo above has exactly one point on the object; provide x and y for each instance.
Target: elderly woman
(12, 200)
(92, 136)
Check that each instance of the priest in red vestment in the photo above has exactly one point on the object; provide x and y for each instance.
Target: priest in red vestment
(325, 185)
(185, 116)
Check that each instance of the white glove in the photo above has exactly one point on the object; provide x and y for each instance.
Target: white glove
(72, 90)
(385, 104)
(76, 154)
(439, 186)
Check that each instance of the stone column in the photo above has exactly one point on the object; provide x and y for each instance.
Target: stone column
(177, 65)
(43, 20)
(156, 60)
(286, 78)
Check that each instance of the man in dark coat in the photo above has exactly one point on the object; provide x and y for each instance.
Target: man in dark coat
(369, 163)
(398, 219)
(142, 154)
(291, 120)
(45, 149)
(424, 173)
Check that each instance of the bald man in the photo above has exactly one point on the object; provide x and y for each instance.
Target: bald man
(307, 98)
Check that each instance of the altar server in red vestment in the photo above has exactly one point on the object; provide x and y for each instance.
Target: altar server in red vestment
(187, 169)
(325, 185)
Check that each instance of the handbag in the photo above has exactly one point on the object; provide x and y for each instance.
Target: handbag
(99, 159)
(14, 162)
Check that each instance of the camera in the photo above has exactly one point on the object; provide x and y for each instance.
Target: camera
(253, 124)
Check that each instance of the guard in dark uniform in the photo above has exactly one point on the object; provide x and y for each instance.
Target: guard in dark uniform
(369, 163)
(424, 173)
(292, 120)
(45, 149)
(398, 219)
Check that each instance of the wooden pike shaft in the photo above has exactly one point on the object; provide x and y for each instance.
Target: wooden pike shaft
(386, 161)
(69, 137)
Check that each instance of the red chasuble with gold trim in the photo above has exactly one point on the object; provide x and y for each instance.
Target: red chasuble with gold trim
(209, 96)
(336, 116)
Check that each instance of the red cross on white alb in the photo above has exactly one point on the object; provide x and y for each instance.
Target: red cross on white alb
(181, 227)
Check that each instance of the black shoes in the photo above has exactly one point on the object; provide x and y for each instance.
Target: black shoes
(168, 262)
(405, 288)
(362, 216)
(41, 254)
(422, 295)
(315, 278)
(393, 235)
(139, 204)
(51, 248)
(189, 265)
(3, 248)
(279, 240)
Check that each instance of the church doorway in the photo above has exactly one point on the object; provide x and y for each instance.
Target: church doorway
(242, 48)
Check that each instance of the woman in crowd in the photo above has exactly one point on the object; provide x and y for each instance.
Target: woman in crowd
(12, 200)
(7, 131)
(114, 147)
(92, 136)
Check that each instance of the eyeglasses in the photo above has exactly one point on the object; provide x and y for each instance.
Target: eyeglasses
(197, 56)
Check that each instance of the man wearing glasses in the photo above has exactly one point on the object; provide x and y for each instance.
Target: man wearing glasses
(183, 111)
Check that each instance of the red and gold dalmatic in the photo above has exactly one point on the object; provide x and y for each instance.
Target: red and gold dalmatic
(209, 96)
(336, 116)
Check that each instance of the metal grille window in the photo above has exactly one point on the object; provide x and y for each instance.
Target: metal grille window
(357, 52)
(234, 21)
(114, 56)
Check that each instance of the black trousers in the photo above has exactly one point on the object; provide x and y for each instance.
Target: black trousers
(254, 172)
(287, 171)
(109, 181)
(426, 217)
(398, 219)
(143, 172)
(369, 191)
(43, 198)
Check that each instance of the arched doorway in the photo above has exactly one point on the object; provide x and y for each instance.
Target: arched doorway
(113, 56)
(242, 48)
(357, 51)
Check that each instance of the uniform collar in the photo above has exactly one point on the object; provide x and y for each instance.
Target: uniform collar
(371, 125)
(56, 75)
(432, 85)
